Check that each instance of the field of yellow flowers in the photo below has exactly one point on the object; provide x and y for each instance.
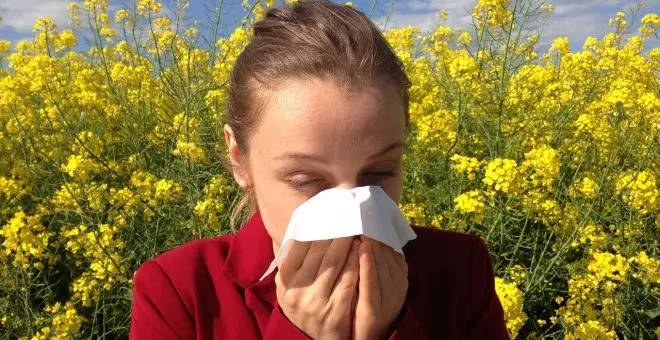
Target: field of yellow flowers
(112, 154)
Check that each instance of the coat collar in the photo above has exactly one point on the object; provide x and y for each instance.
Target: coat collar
(251, 253)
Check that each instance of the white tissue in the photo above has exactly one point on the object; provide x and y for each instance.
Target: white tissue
(338, 212)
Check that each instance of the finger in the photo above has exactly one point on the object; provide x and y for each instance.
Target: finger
(293, 260)
(368, 285)
(390, 259)
(399, 269)
(332, 263)
(344, 290)
(397, 287)
(310, 267)
(401, 263)
(383, 264)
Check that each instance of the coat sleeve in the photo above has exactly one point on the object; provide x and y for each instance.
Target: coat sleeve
(407, 327)
(486, 318)
(158, 311)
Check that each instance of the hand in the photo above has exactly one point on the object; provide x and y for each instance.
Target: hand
(382, 290)
(316, 286)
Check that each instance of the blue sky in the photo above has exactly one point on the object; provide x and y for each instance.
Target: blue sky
(575, 19)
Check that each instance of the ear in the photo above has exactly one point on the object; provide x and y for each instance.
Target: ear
(235, 157)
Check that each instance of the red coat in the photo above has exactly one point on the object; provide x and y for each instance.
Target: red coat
(210, 289)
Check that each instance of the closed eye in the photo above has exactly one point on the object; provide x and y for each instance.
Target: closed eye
(382, 173)
(376, 177)
(297, 184)
(367, 178)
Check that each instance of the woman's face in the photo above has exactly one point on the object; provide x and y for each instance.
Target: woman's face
(313, 136)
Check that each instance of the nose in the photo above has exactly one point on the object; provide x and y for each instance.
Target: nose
(348, 181)
(347, 185)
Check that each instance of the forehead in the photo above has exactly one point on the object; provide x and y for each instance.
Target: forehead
(309, 115)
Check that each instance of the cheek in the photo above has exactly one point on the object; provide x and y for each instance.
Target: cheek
(274, 203)
(394, 189)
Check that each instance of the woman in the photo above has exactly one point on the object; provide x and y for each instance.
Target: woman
(317, 100)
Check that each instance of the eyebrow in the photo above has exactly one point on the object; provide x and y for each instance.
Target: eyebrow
(385, 150)
(314, 158)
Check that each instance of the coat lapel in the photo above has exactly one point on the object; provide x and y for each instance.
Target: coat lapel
(248, 258)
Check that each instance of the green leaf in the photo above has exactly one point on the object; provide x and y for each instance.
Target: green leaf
(653, 313)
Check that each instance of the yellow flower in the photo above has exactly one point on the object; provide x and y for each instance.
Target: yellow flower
(167, 190)
(502, 175)
(95, 249)
(66, 40)
(591, 329)
(414, 212)
(123, 16)
(73, 10)
(465, 38)
(402, 41)
(650, 267)
(152, 190)
(10, 189)
(561, 46)
(209, 209)
(437, 130)
(591, 234)
(649, 24)
(512, 303)
(467, 165)
(493, 12)
(517, 274)
(44, 24)
(542, 164)
(190, 151)
(162, 23)
(5, 46)
(65, 322)
(147, 7)
(618, 22)
(471, 203)
(639, 190)
(80, 167)
(609, 266)
(548, 8)
(585, 187)
(25, 240)
(190, 32)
